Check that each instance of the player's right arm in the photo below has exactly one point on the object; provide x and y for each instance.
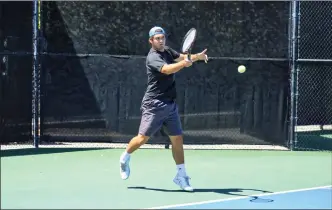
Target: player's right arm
(175, 67)
(155, 62)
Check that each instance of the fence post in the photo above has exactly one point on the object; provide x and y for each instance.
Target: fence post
(35, 75)
(294, 83)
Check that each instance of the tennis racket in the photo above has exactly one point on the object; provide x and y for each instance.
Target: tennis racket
(188, 42)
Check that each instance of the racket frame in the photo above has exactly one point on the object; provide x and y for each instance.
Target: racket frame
(188, 51)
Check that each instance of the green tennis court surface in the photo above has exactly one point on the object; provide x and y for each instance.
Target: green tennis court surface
(89, 178)
(317, 137)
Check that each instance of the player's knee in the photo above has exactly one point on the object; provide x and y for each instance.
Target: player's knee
(177, 139)
(142, 139)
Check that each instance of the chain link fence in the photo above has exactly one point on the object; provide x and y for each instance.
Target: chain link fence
(92, 68)
(15, 72)
(101, 66)
(314, 64)
(314, 28)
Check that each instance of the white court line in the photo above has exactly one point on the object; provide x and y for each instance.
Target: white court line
(240, 197)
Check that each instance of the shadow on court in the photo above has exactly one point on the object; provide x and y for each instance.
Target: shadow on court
(225, 191)
(40, 151)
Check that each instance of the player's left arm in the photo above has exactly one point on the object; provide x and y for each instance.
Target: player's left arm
(180, 58)
(194, 57)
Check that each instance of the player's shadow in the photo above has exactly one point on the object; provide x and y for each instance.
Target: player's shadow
(225, 191)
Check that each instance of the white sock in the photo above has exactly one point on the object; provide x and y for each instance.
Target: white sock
(181, 170)
(124, 157)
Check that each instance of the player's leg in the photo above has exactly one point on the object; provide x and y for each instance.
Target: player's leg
(151, 122)
(178, 154)
(174, 128)
(137, 142)
(177, 149)
(133, 145)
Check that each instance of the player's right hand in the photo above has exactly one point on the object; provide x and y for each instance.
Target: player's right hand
(187, 62)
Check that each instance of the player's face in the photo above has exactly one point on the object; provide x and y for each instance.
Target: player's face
(158, 42)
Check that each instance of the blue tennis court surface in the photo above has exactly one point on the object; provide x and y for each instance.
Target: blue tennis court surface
(311, 198)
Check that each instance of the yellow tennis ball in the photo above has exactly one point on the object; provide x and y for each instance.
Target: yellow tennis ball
(241, 69)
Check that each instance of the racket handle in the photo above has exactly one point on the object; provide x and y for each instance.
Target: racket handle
(189, 56)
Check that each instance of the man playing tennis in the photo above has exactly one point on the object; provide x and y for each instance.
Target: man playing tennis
(158, 105)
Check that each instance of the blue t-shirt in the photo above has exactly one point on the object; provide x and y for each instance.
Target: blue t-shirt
(160, 86)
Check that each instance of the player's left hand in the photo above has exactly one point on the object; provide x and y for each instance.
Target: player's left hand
(202, 56)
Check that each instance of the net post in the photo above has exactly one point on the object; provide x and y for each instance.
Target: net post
(294, 73)
(35, 75)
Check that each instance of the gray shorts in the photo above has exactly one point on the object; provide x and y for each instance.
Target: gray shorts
(155, 114)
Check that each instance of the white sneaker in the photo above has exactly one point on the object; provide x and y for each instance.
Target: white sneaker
(124, 169)
(183, 182)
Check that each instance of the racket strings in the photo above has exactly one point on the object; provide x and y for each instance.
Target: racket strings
(189, 40)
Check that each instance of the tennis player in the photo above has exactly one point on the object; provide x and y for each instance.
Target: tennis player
(158, 105)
